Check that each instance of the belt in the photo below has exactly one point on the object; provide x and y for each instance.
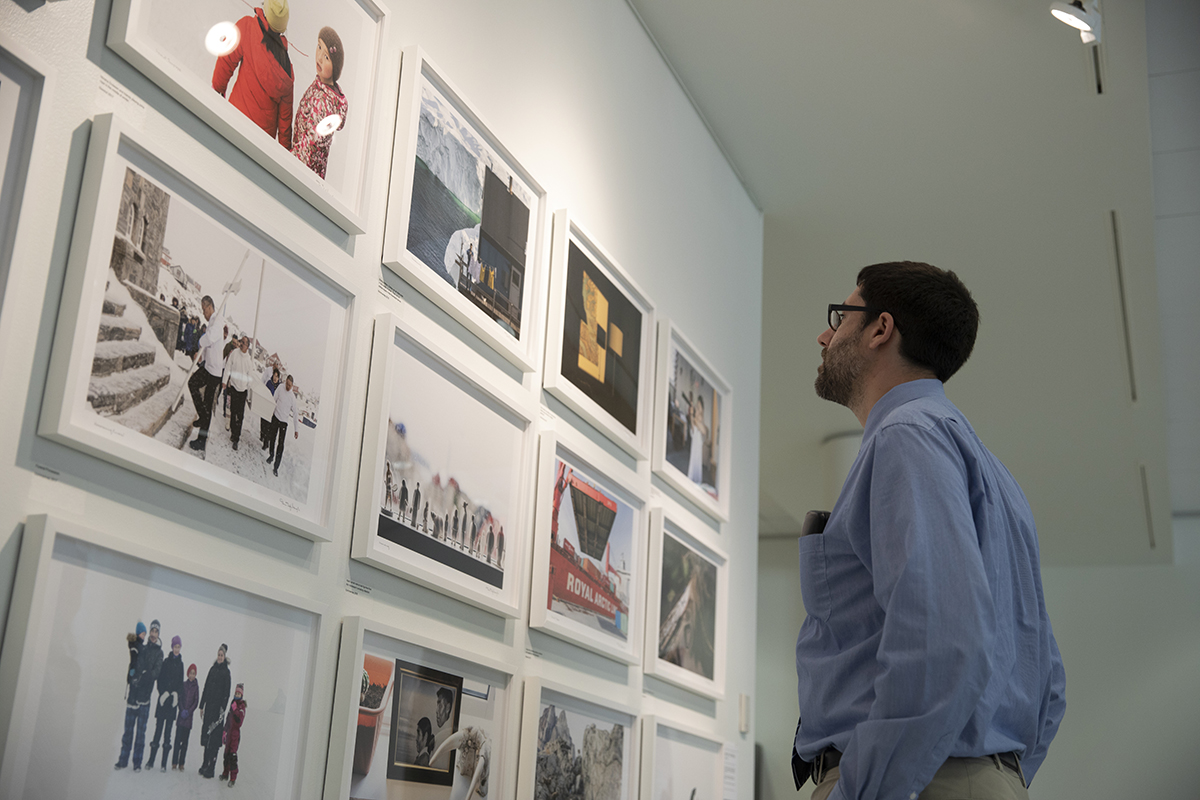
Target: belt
(829, 758)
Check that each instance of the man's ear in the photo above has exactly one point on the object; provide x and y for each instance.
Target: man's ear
(882, 330)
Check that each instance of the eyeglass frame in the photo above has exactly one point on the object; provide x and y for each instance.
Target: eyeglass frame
(837, 308)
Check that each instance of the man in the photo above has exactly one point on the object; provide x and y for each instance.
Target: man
(416, 504)
(238, 369)
(170, 683)
(285, 411)
(445, 707)
(926, 665)
(206, 378)
(271, 379)
(137, 703)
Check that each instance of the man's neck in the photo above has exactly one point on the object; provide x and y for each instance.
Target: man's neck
(879, 384)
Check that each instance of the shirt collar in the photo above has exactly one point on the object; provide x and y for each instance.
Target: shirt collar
(899, 395)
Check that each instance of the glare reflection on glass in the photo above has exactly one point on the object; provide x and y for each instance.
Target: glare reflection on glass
(222, 38)
(328, 125)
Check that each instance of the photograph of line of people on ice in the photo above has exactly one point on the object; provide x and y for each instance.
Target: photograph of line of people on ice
(218, 355)
(301, 70)
(450, 478)
(159, 684)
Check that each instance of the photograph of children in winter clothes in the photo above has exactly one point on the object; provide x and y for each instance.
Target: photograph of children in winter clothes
(470, 214)
(216, 354)
(301, 70)
(160, 684)
(441, 739)
(451, 473)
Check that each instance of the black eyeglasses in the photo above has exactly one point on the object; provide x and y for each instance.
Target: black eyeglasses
(835, 313)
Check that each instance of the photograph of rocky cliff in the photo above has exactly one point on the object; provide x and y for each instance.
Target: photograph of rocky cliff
(469, 220)
(592, 770)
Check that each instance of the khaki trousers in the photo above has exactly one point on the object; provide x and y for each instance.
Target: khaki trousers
(958, 779)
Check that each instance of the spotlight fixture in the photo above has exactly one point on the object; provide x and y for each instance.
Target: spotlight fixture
(222, 38)
(1085, 18)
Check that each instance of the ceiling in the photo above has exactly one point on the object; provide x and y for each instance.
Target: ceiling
(970, 135)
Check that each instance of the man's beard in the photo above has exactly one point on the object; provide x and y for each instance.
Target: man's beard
(838, 376)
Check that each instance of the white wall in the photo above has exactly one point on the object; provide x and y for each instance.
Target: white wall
(581, 96)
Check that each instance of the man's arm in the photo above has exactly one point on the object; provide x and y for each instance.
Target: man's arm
(939, 619)
(1054, 707)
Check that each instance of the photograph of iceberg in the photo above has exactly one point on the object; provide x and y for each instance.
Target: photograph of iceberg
(469, 220)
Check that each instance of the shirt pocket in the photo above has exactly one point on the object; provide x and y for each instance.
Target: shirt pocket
(814, 581)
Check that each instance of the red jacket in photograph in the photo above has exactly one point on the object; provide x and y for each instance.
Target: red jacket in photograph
(263, 91)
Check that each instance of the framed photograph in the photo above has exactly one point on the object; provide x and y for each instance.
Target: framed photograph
(589, 547)
(599, 340)
(445, 484)
(466, 223)
(575, 745)
(417, 719)
(23, 83)
(121, 660)
(296, 86)
(195, 344)
(692, 415)
(687, 599)
(680, 761)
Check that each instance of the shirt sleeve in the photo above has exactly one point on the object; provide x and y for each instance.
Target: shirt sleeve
(1054, 708)
(939, 618)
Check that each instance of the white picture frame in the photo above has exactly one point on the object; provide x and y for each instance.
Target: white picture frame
(666, 746)
(583, 622)
(81, 582)
(364, 637)
(303, 500)
(678, 538)
(432, 553)
(677, 357)
(413, 238)
(159, 41)
(586, 707)
(25, 83)
(571, 380)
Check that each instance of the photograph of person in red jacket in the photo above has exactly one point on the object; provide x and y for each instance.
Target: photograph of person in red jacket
(263, 89)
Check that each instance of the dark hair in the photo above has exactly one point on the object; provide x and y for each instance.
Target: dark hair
(209, 300)
(445, 694)
(337, 56)
(934, 312)
(424, 726)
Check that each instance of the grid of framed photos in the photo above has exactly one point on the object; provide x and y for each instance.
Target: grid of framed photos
(93, 669)
(200, 345)
(420, 719)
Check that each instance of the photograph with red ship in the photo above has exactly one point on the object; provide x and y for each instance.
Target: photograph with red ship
(591, 541)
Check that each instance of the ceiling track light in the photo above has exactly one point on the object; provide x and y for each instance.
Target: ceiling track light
(1084, 17)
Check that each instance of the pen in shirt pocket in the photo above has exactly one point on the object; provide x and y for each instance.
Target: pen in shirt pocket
(814, 522)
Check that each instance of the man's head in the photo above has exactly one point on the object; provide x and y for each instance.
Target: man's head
(154, 629)
(244, 343)
(445, 704)
(288, 384)
(918, 320)
(206, 305)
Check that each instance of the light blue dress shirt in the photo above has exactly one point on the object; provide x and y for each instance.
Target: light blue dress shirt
(927, 635)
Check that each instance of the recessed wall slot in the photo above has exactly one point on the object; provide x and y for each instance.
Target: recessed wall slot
(1116, 239)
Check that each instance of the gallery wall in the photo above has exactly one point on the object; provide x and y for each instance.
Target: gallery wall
(582, 98)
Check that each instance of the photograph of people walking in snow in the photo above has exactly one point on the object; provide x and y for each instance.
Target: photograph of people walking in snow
(156, 683)
(170, 261)
(302, 71)
(206, 356)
